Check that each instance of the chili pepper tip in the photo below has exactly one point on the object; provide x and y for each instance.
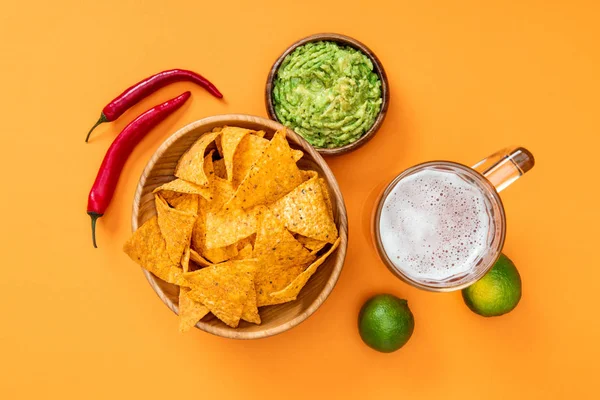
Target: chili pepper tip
(94, 216)
(100, 121)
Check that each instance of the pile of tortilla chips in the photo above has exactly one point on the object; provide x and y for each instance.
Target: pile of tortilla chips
(240, 227)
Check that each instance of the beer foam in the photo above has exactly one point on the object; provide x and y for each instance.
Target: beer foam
(435, 225)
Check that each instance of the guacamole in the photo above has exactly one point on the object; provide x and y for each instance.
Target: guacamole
(327, 93)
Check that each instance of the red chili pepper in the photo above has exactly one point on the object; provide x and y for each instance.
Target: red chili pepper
(140, 90)
(118, 152)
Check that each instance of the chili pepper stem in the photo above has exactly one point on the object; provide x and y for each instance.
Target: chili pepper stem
(94, 216)
(100, 121)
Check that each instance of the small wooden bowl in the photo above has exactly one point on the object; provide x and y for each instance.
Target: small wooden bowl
(346, 41)
(275, 319)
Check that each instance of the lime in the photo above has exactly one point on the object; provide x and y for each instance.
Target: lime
(498, 292)
(385, 323)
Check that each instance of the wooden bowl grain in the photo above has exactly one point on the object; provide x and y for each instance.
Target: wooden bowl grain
(346, 41)
(275, 319)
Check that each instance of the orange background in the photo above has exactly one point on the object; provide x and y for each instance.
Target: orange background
(467, 78)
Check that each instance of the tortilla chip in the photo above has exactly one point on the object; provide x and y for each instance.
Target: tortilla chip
(249, 240)
(148, 248)
(275, 244)
(169, 196)
(216, 255)
(250, 311)
(220, 170)
(281, 257)
(326, 196)
(185, 259)
(271, 177)
(297, 155)
(209, 168)
(250, 149)
(190, 311)
(199, 230)
(181, 186)
(309, 174)
(220, 254)
(230, 139)
(185, 202)
(191, 165)
(218, 140)
(244, 253)
(223, 288)
(228, 227)
(219, 145)
(290, 292)
(222, 192)
(305, 211)
(314, 245)
(198, 259)
(175, 227)
(259, 133)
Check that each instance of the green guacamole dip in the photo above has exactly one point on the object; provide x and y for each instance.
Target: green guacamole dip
(327, 93)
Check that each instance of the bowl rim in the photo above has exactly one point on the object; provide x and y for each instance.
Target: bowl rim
(339, 254)
(379, 70)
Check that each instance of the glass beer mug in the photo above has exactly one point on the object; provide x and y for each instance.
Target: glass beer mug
(440, 225)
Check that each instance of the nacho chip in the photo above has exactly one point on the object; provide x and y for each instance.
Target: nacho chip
(220, 254)
(291, 291)
(190, 311)
(305, 211)
(223, 288)
(281, 257)
(230, 139)
(175, 227)
(249, 240)
(198, 259)
(244, 252)
(314, 245)
(181, 186)
(326, 196)
(219, 145)
(215, 255)
(185, 259)
(271, 177)
(185, 202)
(309, 174)
(218, 140)
(199, 230)
(191, 165)
(148, 248)
(228, 227)
(259, 133)
(222, 192)
(297, 155)
(169, 196)
(275, 245)
(209, 168)
(273, 279)
(220, 170)
(250, 150)
(250, 311)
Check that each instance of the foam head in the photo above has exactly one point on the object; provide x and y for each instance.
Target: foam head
(435, 225)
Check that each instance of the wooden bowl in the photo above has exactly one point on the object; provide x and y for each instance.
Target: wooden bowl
(346, 41)
(275, 319)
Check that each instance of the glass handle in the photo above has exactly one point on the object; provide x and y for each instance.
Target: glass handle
(505, 166)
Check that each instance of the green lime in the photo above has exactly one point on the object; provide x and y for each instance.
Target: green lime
(385, 323)
(498, 292)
